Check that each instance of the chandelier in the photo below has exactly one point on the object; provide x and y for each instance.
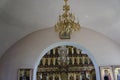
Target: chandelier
(67, 23)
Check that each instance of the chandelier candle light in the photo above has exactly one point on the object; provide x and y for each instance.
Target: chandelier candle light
(66, 24)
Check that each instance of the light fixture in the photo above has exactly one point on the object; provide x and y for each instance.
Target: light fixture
(67, 23)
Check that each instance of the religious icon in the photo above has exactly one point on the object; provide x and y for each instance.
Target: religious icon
(116, 71)
(25, 74)
(106, 73)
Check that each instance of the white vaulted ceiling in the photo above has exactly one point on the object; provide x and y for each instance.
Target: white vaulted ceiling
(21, 17)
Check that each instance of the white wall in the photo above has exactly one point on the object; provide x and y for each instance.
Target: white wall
(26, 52)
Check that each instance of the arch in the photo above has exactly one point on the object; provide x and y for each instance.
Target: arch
(70, 44)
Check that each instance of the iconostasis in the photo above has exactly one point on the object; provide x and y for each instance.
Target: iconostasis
(66, 63)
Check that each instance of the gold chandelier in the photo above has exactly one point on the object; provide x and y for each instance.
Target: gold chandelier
(66, 24)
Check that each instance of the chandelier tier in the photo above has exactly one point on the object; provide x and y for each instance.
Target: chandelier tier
(67, 23)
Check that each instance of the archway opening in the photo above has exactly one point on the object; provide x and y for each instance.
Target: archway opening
(80, 65)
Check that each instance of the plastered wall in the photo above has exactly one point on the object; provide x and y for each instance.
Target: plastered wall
(27, 51)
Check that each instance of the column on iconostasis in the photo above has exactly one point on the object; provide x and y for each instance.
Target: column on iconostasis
(43, 61)
(54, 61)
(72, 50)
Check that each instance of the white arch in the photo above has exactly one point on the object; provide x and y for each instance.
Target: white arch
(70, 44)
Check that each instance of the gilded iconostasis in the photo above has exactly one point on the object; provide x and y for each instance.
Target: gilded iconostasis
(66, 63)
